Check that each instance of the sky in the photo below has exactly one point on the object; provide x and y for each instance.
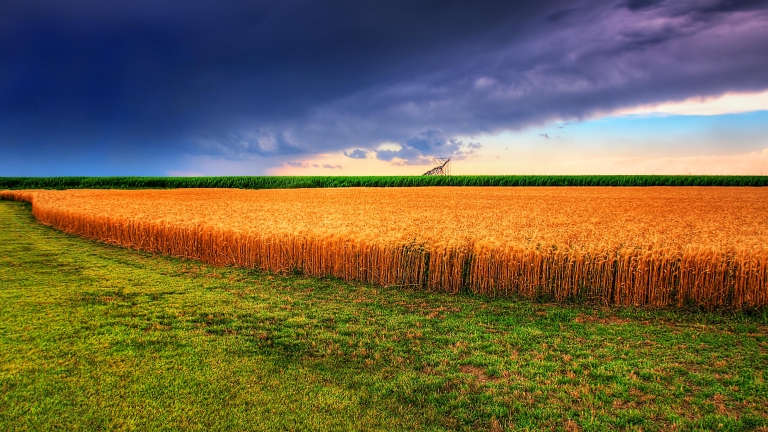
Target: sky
(295, 87)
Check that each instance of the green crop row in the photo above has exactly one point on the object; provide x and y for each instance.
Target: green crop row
(266, 182)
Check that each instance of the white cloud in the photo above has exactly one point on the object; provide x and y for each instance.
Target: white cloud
(389, 146)
(730, 103)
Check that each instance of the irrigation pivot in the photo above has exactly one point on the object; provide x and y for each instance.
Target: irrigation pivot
(441, 168)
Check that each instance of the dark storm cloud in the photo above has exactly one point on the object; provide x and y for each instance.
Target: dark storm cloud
(702, 6)
(561, 14)
(734, 5)
(103, 84)
(636, 5)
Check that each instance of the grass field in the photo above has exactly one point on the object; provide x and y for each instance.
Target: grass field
(293, 182)
(99, 337)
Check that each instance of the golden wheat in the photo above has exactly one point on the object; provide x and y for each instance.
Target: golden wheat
(642, 246)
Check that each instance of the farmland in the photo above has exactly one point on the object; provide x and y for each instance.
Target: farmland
(704, 247)
(294, 182)
(95, 337)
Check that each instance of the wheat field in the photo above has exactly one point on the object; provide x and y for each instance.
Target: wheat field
(658, 246)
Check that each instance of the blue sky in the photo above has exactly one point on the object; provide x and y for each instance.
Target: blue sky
(670, 135)
(348, 88)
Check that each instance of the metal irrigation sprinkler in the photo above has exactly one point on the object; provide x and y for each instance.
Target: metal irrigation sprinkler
(441, 167)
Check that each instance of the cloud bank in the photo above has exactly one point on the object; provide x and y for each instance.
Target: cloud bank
(99, 84)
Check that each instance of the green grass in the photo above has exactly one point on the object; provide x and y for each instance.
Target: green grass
(287, 182)
(94, 337)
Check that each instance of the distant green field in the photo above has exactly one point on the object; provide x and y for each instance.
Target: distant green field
(96, 337)
(266, 182)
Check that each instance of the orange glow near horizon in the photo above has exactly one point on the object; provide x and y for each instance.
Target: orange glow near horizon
(753, 163)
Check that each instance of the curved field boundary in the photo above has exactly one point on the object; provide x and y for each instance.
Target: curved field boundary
(266, 182)
(700, 277)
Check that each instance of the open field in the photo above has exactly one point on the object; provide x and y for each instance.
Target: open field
(289, 182)
(705, 247)
(98, 337)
